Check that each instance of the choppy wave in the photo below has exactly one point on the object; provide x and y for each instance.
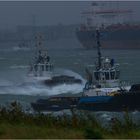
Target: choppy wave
(41, 90)
(19, 66)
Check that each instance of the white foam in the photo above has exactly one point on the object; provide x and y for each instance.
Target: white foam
(104, 115)
(135, 112)
(16, 48)
(41, 90)
(33, 87)
(60, 71)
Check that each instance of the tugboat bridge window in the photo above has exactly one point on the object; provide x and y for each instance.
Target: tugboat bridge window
(102, 76)
(112, 73)
(117, 74)
(107, 75)
(96, 74)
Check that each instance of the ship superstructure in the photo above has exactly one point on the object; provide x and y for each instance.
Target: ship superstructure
(105, 79)
(42, 67)
(103, 15)
(118, 30)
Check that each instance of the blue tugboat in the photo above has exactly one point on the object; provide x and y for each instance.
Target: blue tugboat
(103, 91)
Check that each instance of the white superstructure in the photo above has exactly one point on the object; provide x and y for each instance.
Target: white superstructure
(104, 80)
(42, 67)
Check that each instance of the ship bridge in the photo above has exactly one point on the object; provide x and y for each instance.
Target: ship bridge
(108, 74)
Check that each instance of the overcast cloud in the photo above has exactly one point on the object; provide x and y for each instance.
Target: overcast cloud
(48, 13)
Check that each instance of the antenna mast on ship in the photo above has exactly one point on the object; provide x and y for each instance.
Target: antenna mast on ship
(98, 48)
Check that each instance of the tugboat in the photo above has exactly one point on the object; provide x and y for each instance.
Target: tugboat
(104, 91)
(105, 79)
(42, 69)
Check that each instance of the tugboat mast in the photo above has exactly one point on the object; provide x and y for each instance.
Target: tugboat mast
(38, 44)
(98, 48)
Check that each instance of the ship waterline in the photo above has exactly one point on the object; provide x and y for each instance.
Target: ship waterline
(127, 44)
(118, 39)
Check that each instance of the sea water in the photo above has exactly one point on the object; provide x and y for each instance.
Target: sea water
(65, 53)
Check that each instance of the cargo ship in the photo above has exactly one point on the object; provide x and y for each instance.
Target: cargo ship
(117, 27)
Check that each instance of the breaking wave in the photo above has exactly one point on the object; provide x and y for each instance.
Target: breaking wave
(41, 90)
(33, 87)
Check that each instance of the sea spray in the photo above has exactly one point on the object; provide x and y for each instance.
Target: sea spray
(41, 90)
(30, 86)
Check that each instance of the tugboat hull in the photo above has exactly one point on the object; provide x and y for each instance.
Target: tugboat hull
(55, 103)
(128, 101)
(62, 79)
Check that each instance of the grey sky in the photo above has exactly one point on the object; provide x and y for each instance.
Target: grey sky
(67, 12)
